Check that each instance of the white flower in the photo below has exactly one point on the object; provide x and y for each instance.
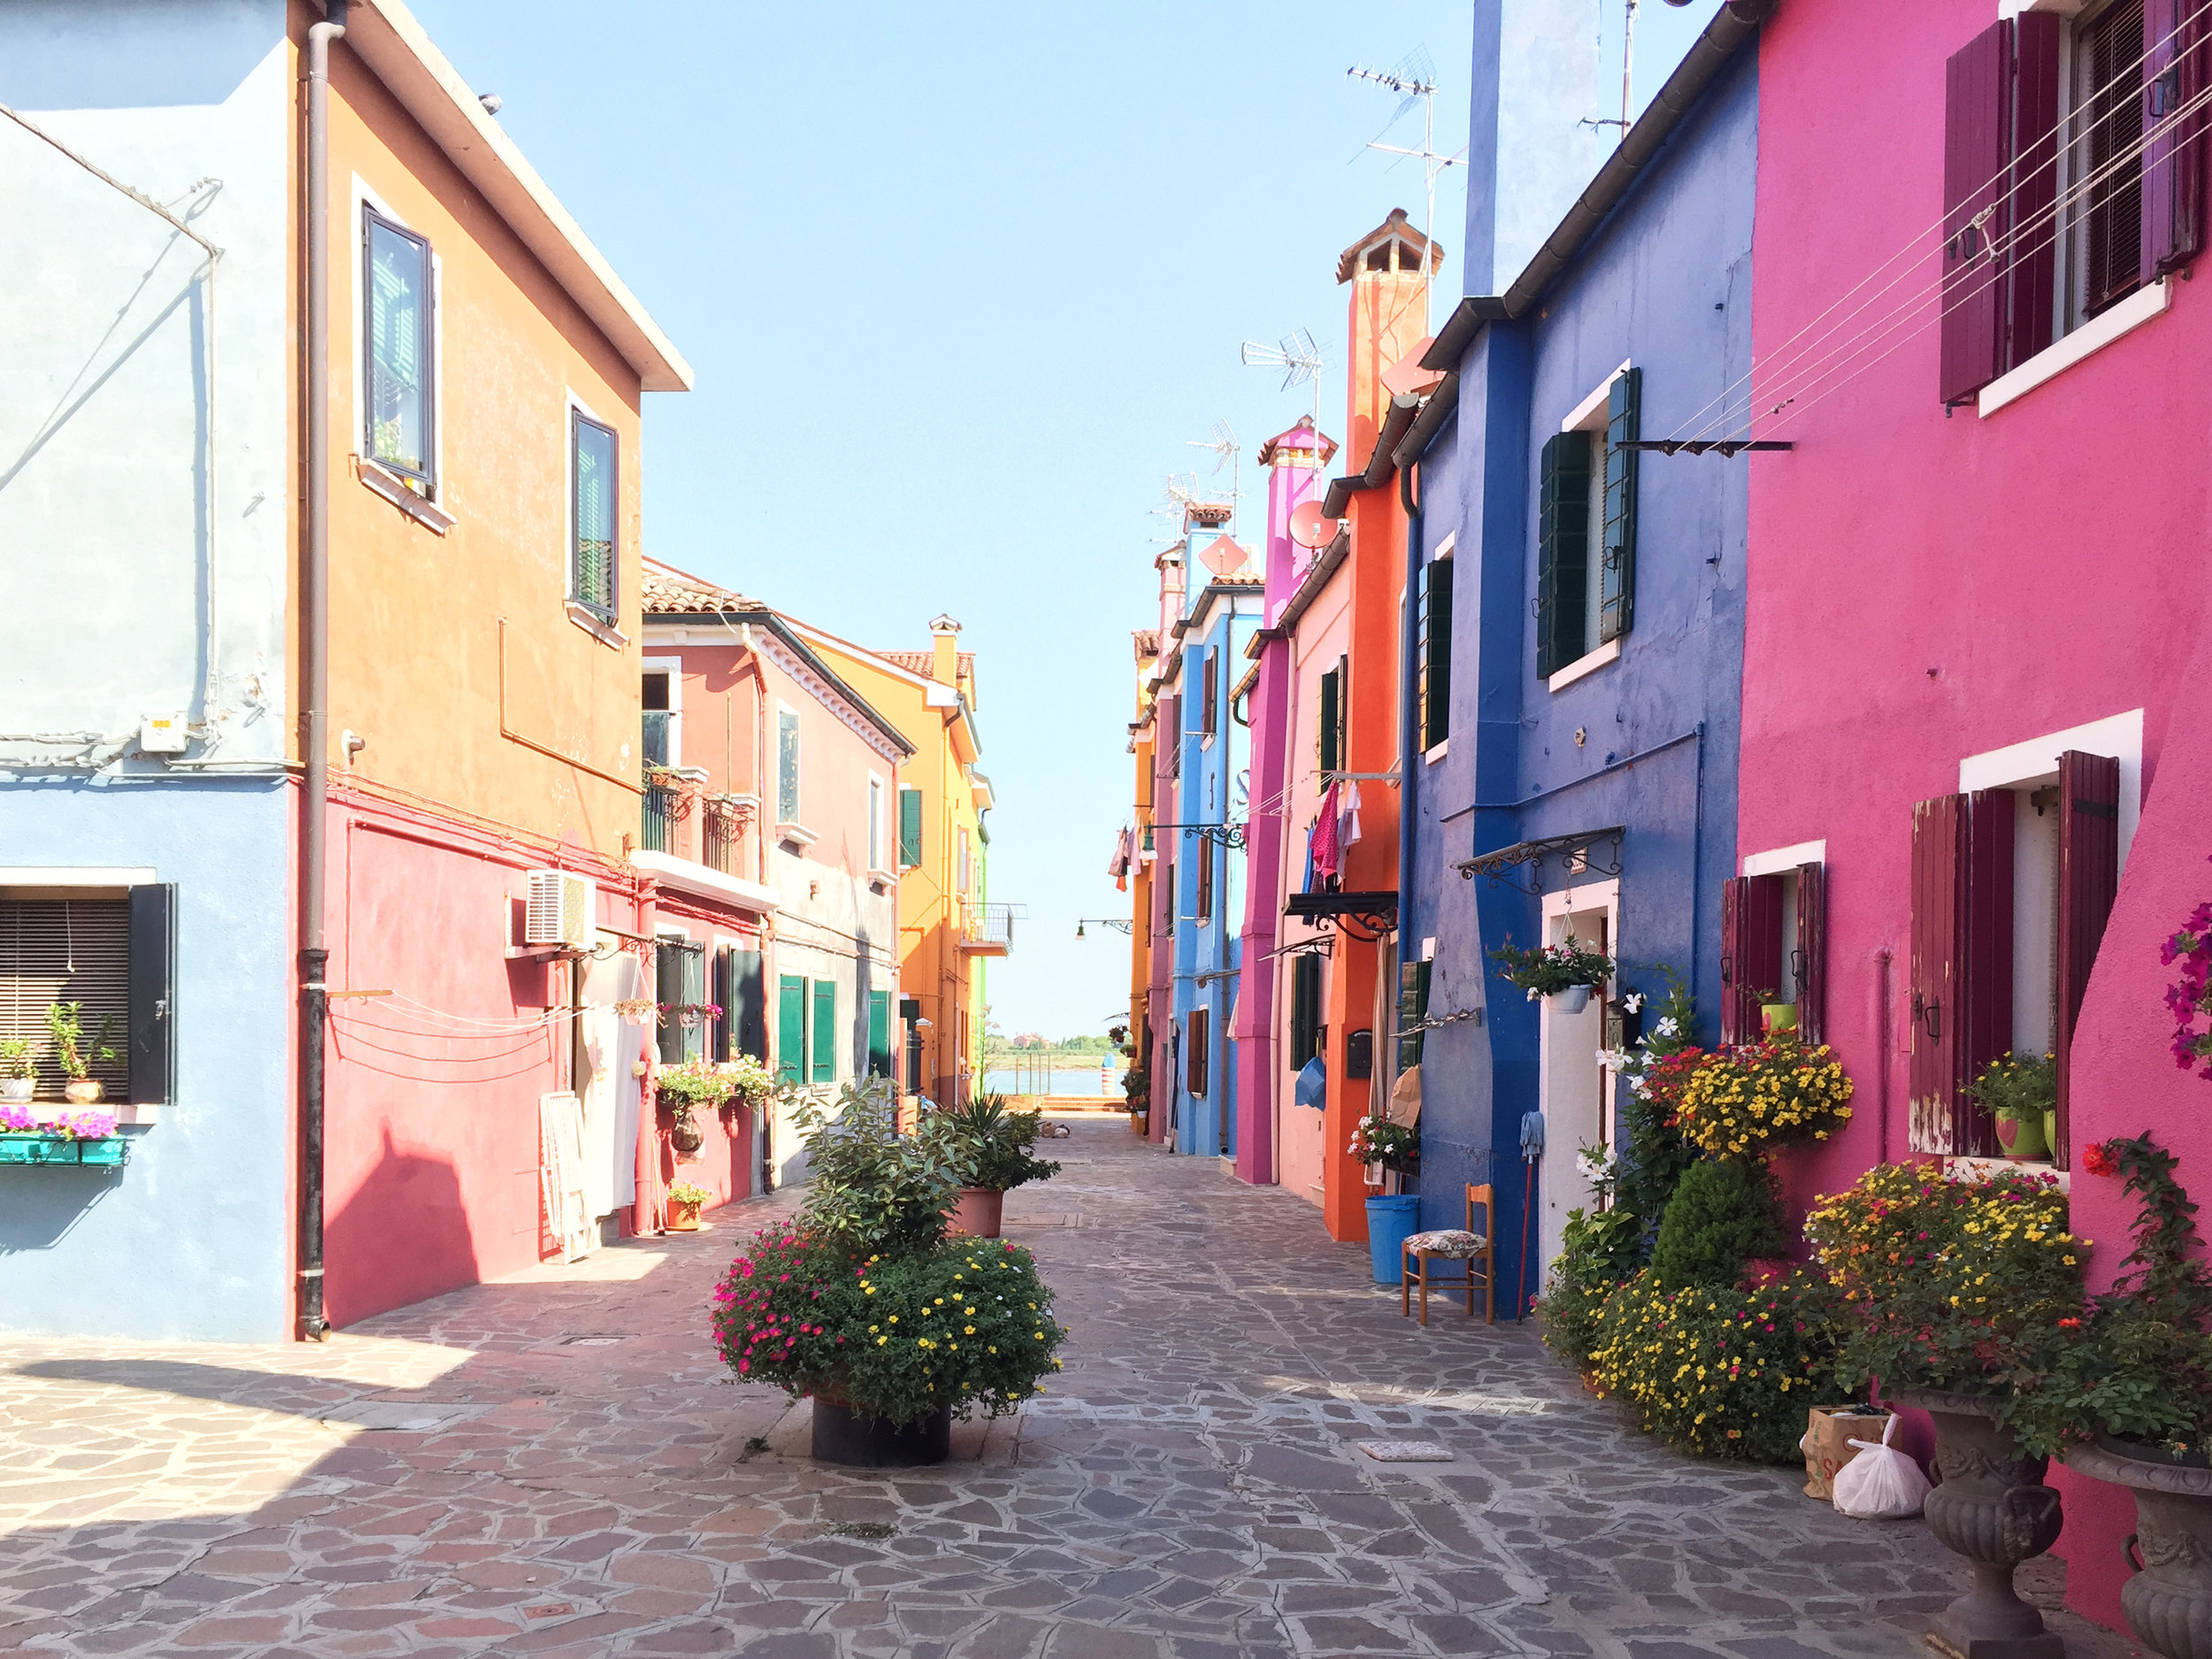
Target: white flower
(1532, 994)
(1666, 1027)
(1634, 1001)
(1613, 1059)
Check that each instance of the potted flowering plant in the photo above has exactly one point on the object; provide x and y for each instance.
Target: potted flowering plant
(865, 1303)
(1566, 971)
(66, 1021)
(1392, 1218)
(1952, 1289)
(689, 1084)
(991, 1144)
(684, 1201)
(2189, 997)
(19, 1077)
(1744, 1101)
(2021, 1092)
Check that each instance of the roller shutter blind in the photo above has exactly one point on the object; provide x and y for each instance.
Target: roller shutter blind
(1562, 551)
(79, 950)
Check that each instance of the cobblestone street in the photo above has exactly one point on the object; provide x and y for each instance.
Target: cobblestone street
(558, 1465)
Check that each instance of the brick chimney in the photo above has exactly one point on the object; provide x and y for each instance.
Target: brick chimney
(1389, 316)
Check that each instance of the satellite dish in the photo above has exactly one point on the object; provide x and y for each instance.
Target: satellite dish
(1309, 527)
(1221, 556)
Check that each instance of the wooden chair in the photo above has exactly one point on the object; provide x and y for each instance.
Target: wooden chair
(1469, 1247)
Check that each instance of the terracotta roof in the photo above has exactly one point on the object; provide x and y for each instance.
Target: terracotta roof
(925, 663)
(1148, 643)
(668, 591)
(1375, 244)
(1297, 441)
(1209, 512)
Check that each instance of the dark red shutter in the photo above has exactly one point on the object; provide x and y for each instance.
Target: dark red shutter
(2088, 880)
(1987, 1000)
(1976, 148)
(1938, 915)
(1808, 964)
(2174, 39)
(2032, 221)
(1751, 953)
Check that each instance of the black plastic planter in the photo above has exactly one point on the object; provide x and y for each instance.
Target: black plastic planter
(843, 1436)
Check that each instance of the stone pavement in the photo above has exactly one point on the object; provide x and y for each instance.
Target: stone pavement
(557, 1464)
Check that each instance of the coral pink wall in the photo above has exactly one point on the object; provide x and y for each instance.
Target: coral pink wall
(1925, 588)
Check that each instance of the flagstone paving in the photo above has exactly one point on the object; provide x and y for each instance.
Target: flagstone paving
(557, 1465)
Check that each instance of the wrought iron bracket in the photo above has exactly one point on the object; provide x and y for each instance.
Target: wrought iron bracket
(1576, 853)
(1227, 834)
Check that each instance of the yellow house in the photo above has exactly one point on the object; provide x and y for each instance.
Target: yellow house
(947, 929)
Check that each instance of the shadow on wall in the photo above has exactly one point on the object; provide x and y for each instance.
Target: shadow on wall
(401, 1237)
(39, 1204)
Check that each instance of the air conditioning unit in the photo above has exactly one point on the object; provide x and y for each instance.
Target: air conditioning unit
(563, 909)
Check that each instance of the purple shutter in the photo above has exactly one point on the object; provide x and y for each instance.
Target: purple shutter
(1751, 953)
(1986, 1002)
(1977, 103)
(2174, 38)
(1732, 909)
(2088, 880)
(2032, 221)
(1808, 960)
(1938, 907)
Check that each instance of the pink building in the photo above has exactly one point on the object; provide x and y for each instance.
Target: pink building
(1977, 765)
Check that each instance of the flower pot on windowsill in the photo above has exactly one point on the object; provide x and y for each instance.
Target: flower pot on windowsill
(18, 1090)
(1570, 998)
(1778, 1016)
(2022, 1137)
(82, 1091)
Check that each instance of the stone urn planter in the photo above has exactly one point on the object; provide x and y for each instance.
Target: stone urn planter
(980, 1213)
(1992, 1508)
(2169, 1599)
(843, 1436)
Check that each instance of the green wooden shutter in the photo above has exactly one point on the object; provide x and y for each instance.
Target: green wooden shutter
(692, 1032)
(1331, 697)
(668, 991)
(825, 1067)
(748, 1005)
(910, 829)
(1305, 1007)
(1413, 1007)
(790, 1029)
(878, 1033)
(1562, 551)
(1436, 653)
(1617, 580)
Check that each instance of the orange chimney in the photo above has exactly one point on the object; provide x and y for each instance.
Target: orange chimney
(945, 666)
(1389, 316)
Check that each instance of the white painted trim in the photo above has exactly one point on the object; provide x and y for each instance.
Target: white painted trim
(2007, 10)
(707, 882)
(1434, 754)
(86, 876)
(1781, 860)
(798, 765)
(1589, 663)
(797, 835)
(1589, 896)
(673, 667)
(1444, 549)
(879, 821)
(2036, 761)
(798, 668)
(1579, 416)
(2093, 336)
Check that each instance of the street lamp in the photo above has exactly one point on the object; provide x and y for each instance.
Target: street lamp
(1121, 921)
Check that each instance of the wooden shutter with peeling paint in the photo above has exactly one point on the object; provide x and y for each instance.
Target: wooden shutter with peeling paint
(2088, 881)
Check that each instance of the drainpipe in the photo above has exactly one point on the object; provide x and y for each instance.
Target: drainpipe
(315, 675)
(1408, 717)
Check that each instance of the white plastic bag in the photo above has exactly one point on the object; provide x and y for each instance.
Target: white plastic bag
(1881, 1483)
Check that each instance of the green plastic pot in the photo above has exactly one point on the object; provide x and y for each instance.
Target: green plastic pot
(2023, 1136)
(1780, 1016)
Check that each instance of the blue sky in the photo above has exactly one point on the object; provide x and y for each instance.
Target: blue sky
(960, 283)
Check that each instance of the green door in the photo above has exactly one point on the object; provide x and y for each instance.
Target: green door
(825, 1031)
(878, 1033)
(790, 1029)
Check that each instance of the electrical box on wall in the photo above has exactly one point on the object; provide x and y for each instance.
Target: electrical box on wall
(1359, 1053)
(163, 735)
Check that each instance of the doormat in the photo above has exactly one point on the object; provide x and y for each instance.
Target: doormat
(1405, 1451)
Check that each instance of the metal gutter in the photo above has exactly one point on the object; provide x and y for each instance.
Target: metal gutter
(1442, 405)
(773, 621)
(1732, 26)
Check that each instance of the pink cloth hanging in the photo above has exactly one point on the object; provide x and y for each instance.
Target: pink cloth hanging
(1327, 848)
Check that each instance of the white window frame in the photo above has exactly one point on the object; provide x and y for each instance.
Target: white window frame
(878, 828)
(798, 764)
(582, 614)
(430, 509)
(1589, 416)
(673, 667)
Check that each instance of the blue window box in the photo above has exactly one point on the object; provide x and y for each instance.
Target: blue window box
(109, 1149)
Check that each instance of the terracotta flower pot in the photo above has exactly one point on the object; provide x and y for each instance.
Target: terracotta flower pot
(2168, 1601)
(978, 1212)
(683, 1214)
(81, 1091)
(1992, 1509)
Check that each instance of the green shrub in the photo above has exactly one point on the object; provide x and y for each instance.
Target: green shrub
(871, 1189)
(990, 1142)
(1716, 1372)
(1598, 1250)
(1724, 1213)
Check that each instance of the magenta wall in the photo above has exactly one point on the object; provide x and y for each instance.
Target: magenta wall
(1923, 589)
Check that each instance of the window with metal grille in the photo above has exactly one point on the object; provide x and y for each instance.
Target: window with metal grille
(111, 952)
(398, 392)
(591, 560)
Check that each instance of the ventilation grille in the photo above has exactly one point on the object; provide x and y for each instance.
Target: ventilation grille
(560, 909)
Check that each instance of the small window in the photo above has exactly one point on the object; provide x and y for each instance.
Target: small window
(961, 875)
(786, 764)
(1209, 702)
(875, 822)
(591, 560)
(1305, 1008)
(1198, 1052)
(1586, 527)
(1329, 728)
(401, 399)
(2107, 144)
(1432, 651)
(105, 961)
(659, 718)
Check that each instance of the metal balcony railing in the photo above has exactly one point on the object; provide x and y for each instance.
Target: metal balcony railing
(657, 818)
(990, 927)
(720, 835)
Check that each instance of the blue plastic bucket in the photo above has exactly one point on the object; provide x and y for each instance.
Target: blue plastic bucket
(1391, 1221)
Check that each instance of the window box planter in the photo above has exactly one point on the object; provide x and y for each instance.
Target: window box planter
(107, 1150)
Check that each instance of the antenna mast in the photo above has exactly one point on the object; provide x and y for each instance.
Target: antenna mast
(1414, 80)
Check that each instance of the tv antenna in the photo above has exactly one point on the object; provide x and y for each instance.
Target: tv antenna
(1628, 67)
(1228, 453)
(1414, 80)
(1299, 359)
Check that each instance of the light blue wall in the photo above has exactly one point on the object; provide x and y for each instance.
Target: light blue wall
(191, 1238)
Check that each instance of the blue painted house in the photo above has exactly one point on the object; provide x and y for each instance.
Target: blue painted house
(1219, 617)
(1577, 641)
